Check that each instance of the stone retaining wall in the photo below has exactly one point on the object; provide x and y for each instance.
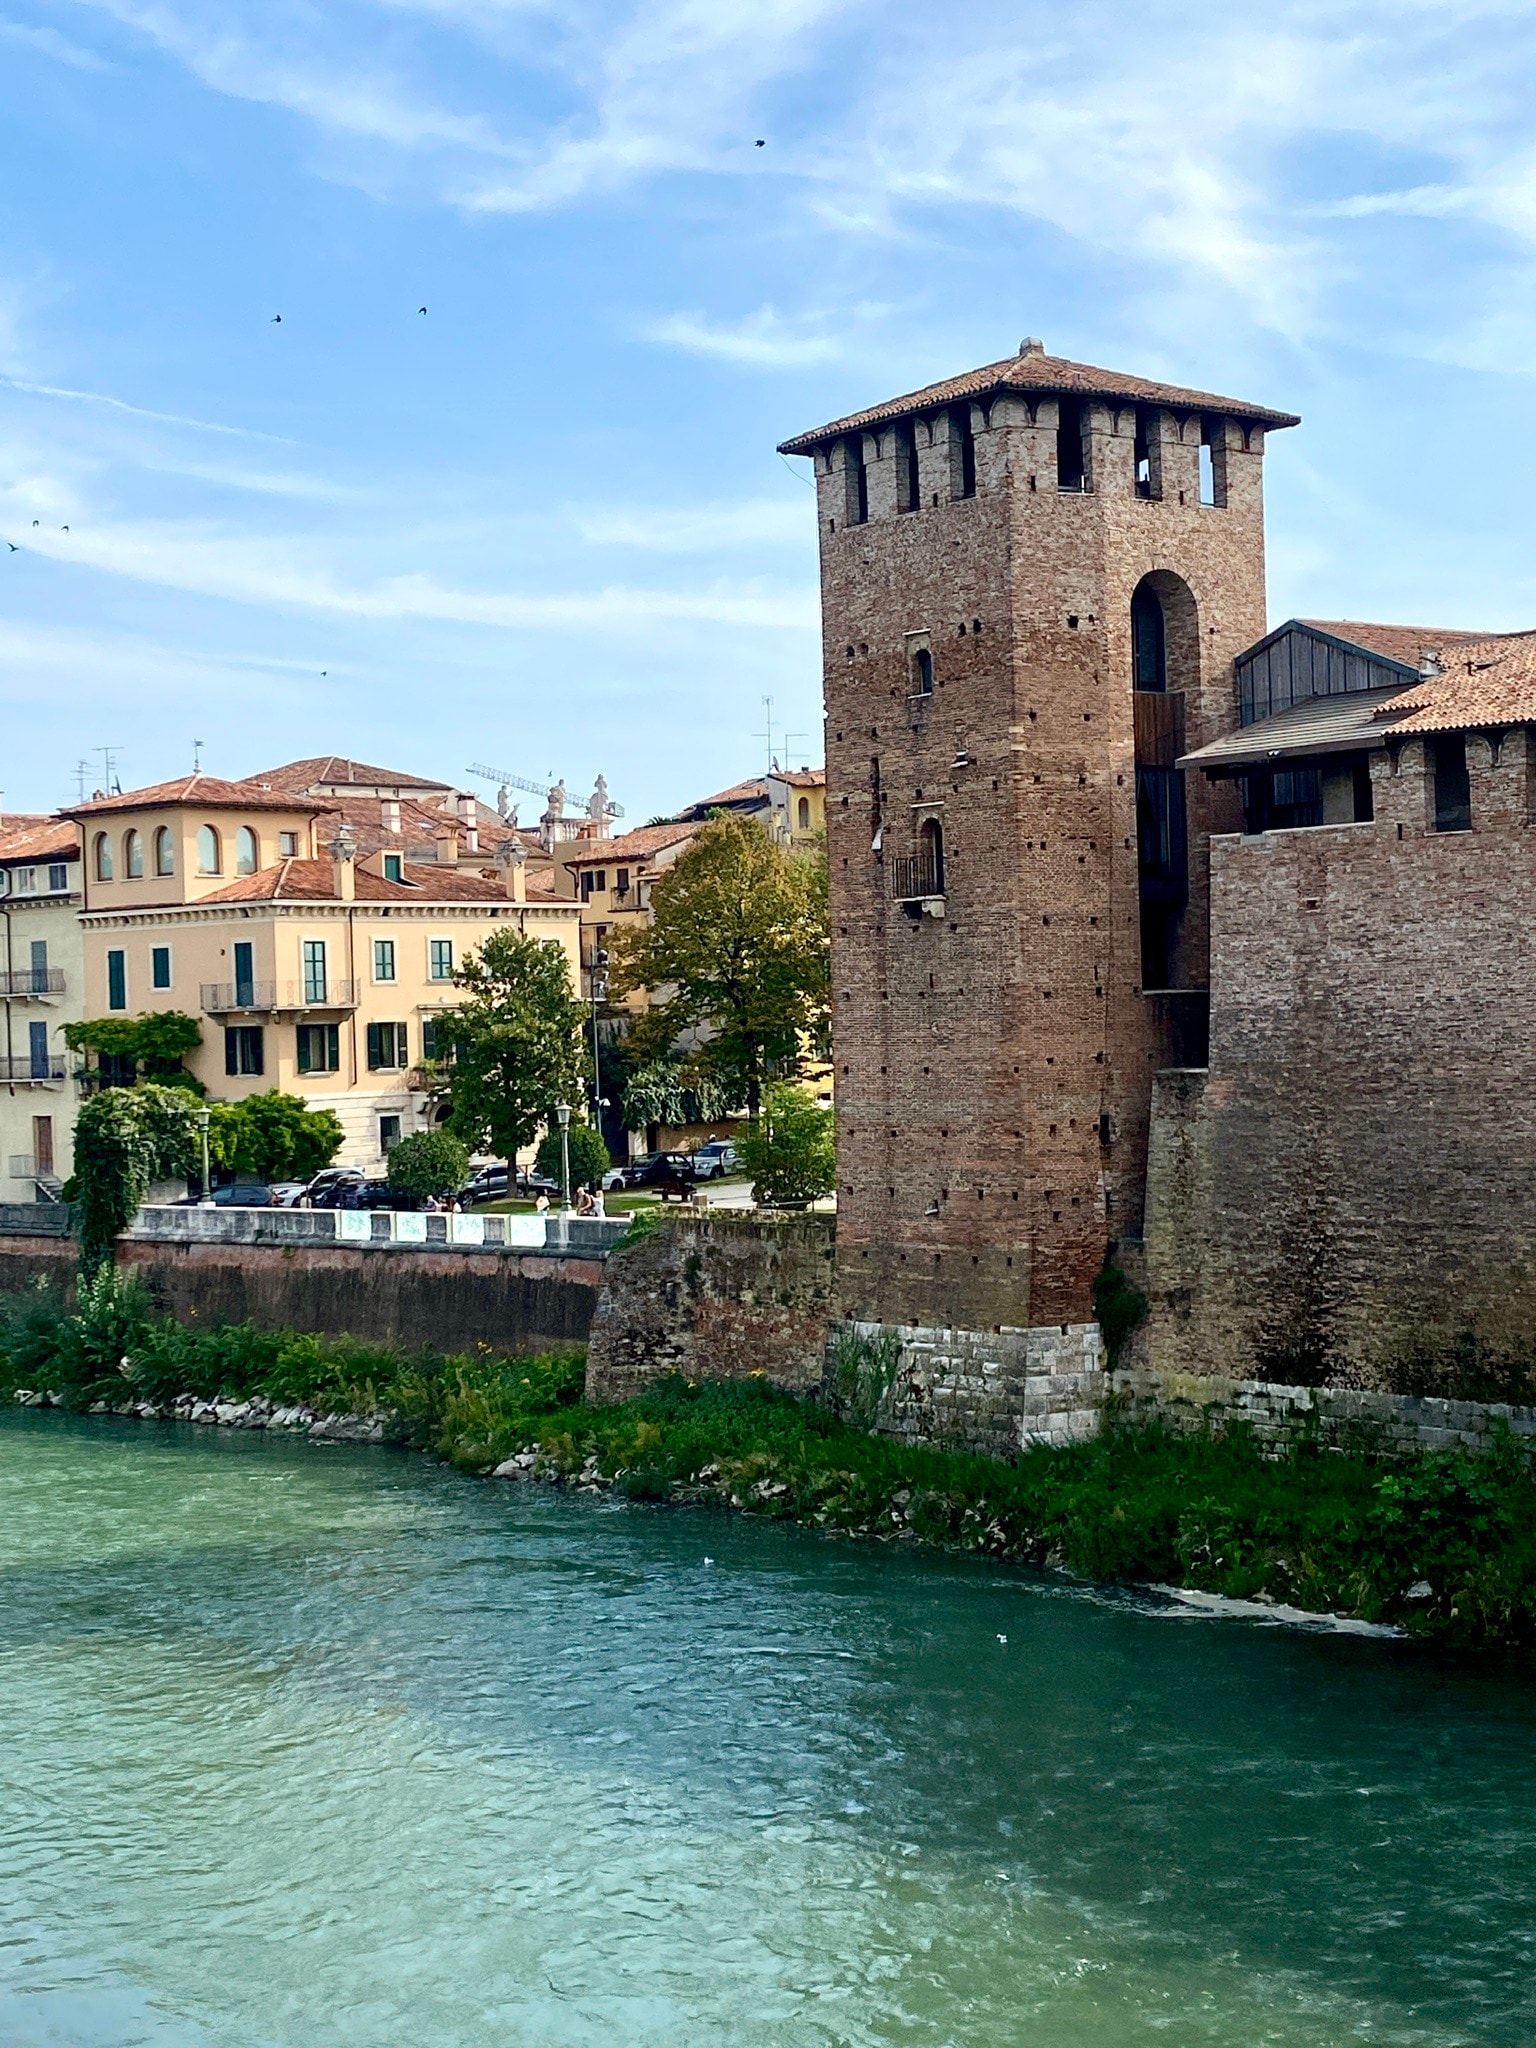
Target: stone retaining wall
(995, 1391)
(1401, 1425)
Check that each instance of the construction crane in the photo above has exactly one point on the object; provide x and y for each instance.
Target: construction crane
(505, 780)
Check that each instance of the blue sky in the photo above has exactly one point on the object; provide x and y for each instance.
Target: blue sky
(544, 525)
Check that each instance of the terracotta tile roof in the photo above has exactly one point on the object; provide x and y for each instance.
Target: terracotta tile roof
(29, 839)
(633, 846)
(740, 794)
(302, 776)
(314, 881)
(1039, 375)
(421, 823)
(1397, 643)
(206, 792)
(802, 778)
(1488, 682)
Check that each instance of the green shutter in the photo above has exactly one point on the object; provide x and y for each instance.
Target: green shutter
(375, 1046)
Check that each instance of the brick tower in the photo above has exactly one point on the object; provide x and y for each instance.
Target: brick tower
(1034, 581)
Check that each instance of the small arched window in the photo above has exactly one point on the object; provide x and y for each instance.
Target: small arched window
(803, 813)
(1149, 640)
(102, 860)
(210, 855)
(165, 852)
(133, 856)
(247, 852)
(933, 857)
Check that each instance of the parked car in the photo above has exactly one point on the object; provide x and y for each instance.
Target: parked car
(375, 1194)
(668, 1173)
(286, 1193)
(488, 1184)
(237, 1195)
(716, 1160)
(319, 1193)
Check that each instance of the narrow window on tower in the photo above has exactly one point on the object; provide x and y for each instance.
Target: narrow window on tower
(856, 477)
(1453, 789)
(1071, 472)
(1149, 645)
(908, 490)
(962, 454)
(1149, 481)
(1213, 462)
(919, 665)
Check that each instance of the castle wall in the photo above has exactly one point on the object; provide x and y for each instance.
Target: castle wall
(1350, 1190)
(995, 1061)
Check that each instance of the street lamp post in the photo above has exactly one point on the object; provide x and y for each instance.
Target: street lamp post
(563, 1111)
(204, 1118)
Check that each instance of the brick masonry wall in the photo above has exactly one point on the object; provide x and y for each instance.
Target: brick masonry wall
(25, 1260)
(720, 1297)
(977, 1051)
(447, 1301)
(1352, 1184)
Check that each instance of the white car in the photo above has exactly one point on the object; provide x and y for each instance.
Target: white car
(716, 1160)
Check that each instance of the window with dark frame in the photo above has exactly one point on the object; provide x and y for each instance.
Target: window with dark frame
(1149, 640)
(962, 453)
(386, 1047)
(394, 868)
(922, 672)
(909, 496)
(159, 966)
(245, 1049)
(1071, 473)
(117, 980)
(319, 1047)
(440, 959)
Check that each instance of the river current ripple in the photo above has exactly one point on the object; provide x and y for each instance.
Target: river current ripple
(307, 1748)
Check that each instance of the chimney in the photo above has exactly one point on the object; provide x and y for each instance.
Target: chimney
(512, 860)
(470, 820)
(343, 852)
(1031, 346)
(390, 810)
(447, 841)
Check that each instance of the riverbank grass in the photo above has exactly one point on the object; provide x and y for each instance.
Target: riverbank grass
(1444, 1547)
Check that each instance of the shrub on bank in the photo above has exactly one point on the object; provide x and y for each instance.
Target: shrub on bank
(1445, 1546)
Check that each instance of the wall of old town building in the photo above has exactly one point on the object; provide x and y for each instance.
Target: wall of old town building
(1349, 1190)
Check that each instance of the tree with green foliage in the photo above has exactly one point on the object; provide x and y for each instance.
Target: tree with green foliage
(590, 1157)
(790, 1152)
(428, 1163)
(737, 950)
(513, 1047)
(126, 1138)
(272, 1136)
(664, 1091)
(150, 1047)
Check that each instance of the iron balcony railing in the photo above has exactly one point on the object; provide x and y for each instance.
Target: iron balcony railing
(917, 877)
(31, 981)
(219, 997)
(35, 1067)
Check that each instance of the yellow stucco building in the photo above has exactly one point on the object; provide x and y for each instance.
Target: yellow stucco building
(310, 968)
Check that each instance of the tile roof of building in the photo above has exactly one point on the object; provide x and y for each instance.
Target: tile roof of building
(633, 846)
(206, 792)
(753, 791)
(1488, 682)
(314, 881)
(1039, 375)
(302, 776)
(30, 838)
(801, 778)
(1407, 644)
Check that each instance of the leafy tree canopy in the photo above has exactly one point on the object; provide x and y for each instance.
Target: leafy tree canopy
(125, 1138)
(513, 1046)
(665, 1091)
(737, 948)
(155, 1043)
(429, 1163)
(272, 1136)
(790, 1151)
(590, 1158)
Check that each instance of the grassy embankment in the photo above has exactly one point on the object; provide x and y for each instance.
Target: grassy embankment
(1445, 1546)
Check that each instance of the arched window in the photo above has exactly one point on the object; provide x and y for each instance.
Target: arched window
(102, 859)
(133, 856)
(1149, 640)
(247, 852)
(803, 813)
(210, 855)
(932, 840)
(165, 852)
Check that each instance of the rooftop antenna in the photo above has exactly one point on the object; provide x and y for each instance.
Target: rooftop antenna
(197, 756)
(109, 780)
(768, 735)
(82, 770)
(788, 750)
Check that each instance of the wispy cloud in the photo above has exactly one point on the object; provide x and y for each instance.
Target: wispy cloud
(142, 412)
(49, 43)
(765, 339)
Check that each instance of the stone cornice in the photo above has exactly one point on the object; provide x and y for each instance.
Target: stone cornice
(241, 913)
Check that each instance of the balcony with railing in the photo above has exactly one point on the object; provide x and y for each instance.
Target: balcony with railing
(223, 997)
(918, 878)
(36, 1069)
(31, 981)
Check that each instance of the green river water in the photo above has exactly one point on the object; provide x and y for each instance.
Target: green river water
(302, 1747)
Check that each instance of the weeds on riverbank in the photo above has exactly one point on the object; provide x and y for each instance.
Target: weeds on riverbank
(1445, 1546)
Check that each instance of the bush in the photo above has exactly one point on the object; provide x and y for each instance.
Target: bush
(429, 1163)
(590, 1158)
(124, 1139)
(273, 1136)
(790, 1152)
